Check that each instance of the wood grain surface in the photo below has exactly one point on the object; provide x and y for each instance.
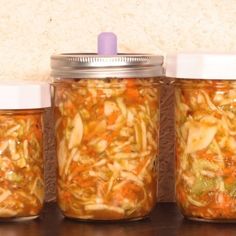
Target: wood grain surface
(165, 220)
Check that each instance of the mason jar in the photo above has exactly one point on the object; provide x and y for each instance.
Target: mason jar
(22, 107)
(205, 125)
(107, 127)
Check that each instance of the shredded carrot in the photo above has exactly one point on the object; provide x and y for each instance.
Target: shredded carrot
(127, 148)
(91, 169)
(230, 180)
(132, 92)
(76, 169)
(21, 177)
(70, 106)
(140, 166)
(100, 111)
(113, 117)
(85, 183)
(130, 191)
(133, 95)
(111, 136)
(100, 92)
(206, 167)
(67, 196)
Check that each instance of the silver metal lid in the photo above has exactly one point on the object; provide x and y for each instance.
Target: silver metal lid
(90, 65)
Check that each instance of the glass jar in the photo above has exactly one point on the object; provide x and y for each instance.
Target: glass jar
(21, 149)
(107, 127)
(205, 114)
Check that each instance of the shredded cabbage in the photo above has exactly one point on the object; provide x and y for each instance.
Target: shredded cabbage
(21, 164)
(107, 133)
(206, 148)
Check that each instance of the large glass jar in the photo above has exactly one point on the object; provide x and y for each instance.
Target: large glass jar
(21, 149)
(205, 93)
(107, 127)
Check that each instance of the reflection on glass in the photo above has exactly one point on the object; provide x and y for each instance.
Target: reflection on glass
(29, 228)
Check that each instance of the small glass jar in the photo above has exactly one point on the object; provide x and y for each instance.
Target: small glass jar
(205, 114)
(107, 127)
(21, 149)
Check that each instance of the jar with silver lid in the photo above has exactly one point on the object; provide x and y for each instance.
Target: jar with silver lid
(107, 126)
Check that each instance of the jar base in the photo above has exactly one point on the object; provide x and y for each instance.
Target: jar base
(18, 219)
(211, 220)
(106, 220)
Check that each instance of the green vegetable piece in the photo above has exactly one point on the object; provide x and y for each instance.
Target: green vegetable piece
(203, 185)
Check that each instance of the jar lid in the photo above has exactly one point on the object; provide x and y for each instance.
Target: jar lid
(73, 65)
(201, 66)
(107, 63)
(24, 95)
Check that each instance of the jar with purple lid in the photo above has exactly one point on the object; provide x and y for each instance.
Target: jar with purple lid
(107, 127)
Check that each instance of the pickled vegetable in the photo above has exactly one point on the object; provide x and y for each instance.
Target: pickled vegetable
(21, 164)
(206, 149)
(107, 144)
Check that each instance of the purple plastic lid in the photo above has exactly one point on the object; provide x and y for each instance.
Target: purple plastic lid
(107, 44)
(106, 62)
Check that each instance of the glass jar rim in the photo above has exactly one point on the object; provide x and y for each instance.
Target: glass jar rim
(91, 65)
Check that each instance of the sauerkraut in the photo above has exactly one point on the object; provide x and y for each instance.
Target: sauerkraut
(206, 149)
(107, 145)
(21, 164)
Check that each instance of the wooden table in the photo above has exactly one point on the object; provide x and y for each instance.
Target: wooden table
(165, 220)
